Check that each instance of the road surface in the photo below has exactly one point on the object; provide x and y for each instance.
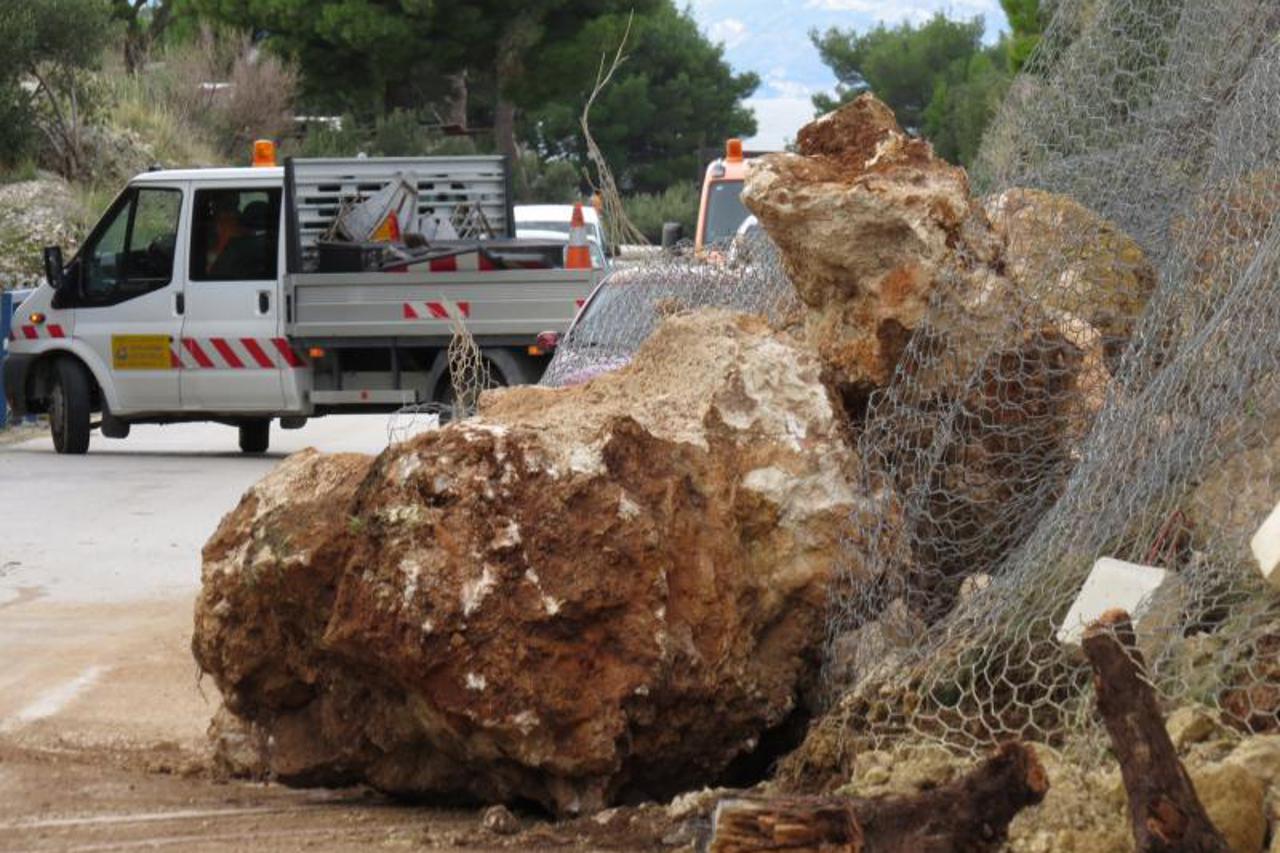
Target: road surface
(102, 718)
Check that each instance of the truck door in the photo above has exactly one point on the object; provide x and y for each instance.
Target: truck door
(233, 353)
(127, 297)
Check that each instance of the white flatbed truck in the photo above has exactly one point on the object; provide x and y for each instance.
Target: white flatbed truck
(196, 297)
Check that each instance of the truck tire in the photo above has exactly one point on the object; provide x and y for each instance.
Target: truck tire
(255, 436)
(507, 368)
(70, 406)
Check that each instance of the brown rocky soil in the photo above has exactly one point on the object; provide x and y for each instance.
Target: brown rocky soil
(580, 596)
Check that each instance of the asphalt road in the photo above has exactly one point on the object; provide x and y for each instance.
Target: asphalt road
(127, 521)
(99, 569)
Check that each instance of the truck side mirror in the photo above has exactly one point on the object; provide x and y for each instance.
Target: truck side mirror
(672, 233)
(53, 267)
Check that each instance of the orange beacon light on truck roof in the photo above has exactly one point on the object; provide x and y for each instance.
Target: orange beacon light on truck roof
(264, 152)
(720, 209)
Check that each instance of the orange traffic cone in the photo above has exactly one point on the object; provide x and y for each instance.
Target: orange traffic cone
(578, 255)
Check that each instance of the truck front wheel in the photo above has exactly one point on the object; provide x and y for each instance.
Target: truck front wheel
(255, 436)
(70, 406)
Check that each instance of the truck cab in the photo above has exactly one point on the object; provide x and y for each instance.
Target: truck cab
(197, 297)
(720, 209)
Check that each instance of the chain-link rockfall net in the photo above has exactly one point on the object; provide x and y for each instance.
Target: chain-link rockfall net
(1122, 408)
(746, 275)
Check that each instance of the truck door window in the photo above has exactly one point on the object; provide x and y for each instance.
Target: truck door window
(133, 252)
(236, 235)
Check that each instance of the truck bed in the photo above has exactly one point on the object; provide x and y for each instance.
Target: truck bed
(499, 306)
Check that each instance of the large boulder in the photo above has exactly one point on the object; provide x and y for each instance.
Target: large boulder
(578, 595)
(868, 222)
(1073, 261)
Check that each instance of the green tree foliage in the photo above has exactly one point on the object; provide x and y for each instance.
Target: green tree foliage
(938, 78)
(47, 48)
(354, 54)
(1027, 24)
(524, 68)
(963, 103)
(673, 94)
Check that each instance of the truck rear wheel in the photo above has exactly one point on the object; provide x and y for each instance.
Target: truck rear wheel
(255, 436)
(70, 406)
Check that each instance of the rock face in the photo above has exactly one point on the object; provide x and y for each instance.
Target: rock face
(581, 593)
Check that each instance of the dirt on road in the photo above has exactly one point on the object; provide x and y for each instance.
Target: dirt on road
(102, 747)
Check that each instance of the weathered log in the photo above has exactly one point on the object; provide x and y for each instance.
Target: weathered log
(786, 823)
(969, 814)
(1164, 811)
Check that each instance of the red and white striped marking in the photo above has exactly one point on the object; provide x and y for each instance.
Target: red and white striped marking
(433, 310)
(462, 262)
(30, 332)
(234, 354)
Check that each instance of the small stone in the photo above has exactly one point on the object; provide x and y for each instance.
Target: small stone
(1260, 756)
(1190, 724)
(500, 821)
(1266, 547)
(681, 835)
(698, 803)
(974, 584)
(1234, 800)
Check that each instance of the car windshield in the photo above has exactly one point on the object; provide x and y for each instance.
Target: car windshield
(621, 314)
(562, 227)
(725, 211)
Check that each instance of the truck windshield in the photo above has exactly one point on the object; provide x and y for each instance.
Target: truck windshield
(724, 211)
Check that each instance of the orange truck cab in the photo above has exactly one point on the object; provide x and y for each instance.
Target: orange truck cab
(721, 211)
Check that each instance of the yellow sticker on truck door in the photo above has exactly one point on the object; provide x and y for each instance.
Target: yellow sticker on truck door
(140, 352)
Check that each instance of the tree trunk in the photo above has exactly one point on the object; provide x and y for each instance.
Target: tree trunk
(1164, 811)
(516, 40)
(135, 48)
(455, 114)
(969, 814)
(504, 130)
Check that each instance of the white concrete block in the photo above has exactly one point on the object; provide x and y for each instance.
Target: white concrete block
(1266, 547)
(1112, 583)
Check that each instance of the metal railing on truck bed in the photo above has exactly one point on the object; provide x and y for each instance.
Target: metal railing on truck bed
(454, 190)
(486, 281)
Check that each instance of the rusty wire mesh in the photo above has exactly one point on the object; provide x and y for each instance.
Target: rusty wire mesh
(1103, 413)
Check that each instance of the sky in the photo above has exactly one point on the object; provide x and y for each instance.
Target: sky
(771, 38)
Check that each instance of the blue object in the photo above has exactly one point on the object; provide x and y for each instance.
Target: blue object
(6, 321)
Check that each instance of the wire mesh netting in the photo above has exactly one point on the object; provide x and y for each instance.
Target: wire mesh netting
(1126, 405)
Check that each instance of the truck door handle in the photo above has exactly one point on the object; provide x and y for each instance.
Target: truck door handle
(179, 303)
(264, 301)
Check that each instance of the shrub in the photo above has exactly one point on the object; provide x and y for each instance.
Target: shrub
(259, 103)
(206, 99)
(677, 203)
(547, 181)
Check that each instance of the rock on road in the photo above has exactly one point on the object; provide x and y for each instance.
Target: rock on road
(99, 567)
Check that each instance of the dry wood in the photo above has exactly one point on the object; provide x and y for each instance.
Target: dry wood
(618, 225)
(1164, 811)
(969, 814)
